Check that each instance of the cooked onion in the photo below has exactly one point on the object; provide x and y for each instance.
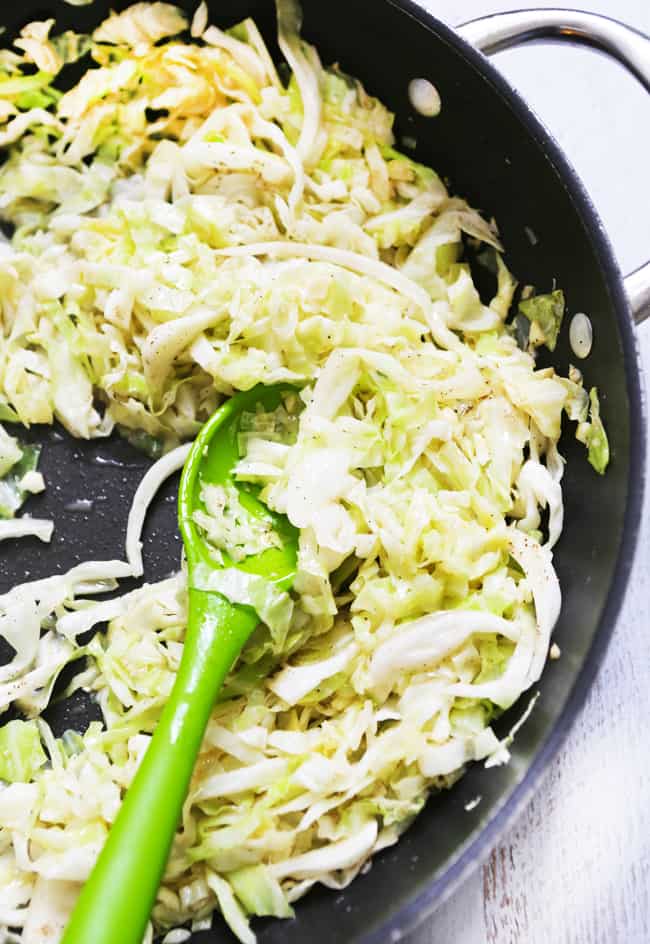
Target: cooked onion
(424, 97)
(581, 335)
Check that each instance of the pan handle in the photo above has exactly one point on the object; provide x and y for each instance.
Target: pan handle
(632, 48)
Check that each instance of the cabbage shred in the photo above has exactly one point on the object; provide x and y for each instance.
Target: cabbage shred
(19, 478)
(184, 225)
(224, 524)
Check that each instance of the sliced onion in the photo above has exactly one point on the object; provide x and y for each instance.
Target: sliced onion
(581, 335)
(424, 97)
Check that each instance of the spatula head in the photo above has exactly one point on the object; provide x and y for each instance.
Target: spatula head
(211, 461)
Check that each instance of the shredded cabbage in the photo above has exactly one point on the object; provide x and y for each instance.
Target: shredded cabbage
(19, 479)
(227, 527)
(274, 607)
(593, 435)
(183, 225)
(545, 314)
(21, 751)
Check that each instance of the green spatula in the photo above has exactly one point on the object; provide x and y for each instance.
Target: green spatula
(116, 901)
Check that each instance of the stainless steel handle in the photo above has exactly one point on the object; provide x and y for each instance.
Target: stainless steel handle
(502, 30)
(637, 286)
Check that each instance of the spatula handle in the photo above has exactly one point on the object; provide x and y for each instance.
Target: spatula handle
(116, 901)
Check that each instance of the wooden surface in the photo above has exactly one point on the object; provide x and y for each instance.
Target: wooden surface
(575, 868)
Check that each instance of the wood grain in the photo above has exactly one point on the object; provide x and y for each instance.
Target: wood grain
(575, 868)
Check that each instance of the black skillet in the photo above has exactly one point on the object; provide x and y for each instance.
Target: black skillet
(494, 152)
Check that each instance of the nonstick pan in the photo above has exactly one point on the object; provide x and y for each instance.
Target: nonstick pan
(494, 152)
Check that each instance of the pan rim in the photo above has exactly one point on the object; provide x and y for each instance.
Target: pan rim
(477, 849)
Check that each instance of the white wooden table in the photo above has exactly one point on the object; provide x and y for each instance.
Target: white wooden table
(575, 868)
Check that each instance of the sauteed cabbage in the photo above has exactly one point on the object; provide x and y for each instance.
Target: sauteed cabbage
(184, 219)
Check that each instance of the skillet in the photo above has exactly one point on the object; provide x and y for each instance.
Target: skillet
(494, 152)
